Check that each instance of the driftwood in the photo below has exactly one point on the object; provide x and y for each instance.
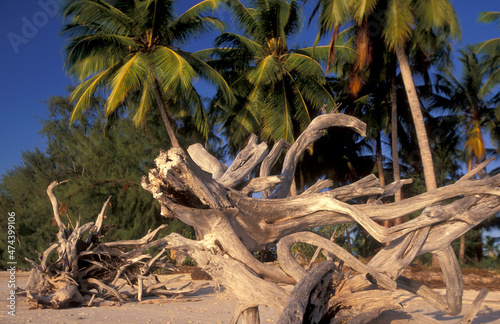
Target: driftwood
(231, 225)
(90, 272)
(215, 200)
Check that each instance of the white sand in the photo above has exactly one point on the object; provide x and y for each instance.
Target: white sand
(215, 308)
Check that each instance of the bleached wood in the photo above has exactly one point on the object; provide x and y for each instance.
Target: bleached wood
(292, 267)
(231, 225)
(259, 184)
(244, 163)
(270, 161)
(206, 161)
(318, 186)
(55, 207)
(451, 303)
(100, 218)
(101, 285)
(476, 306)
(476, 169)
(147, 238)
(312, 133)
(299, 297)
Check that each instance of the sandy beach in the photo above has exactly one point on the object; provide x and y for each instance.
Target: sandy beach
(215, 307)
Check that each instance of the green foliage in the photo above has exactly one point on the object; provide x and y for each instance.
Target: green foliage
(279, 89)
(476, 106)
(100, 157)
(340, 234)
(131, 49)
(126, 48)
(189, 261)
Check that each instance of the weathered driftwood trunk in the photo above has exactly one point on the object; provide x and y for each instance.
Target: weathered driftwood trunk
(88, 271)
(216, 200)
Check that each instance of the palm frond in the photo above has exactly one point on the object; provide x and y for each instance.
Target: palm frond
(128, 77)
(247, 119)
(173, 72)
(304, 65)
(152, 18)
(293, 20)
(245, 45)
(361, 9)
(199, 114)
(84, 92)
(100, 13)
(398, 25)
(272, 19)
(344, 54)
(244, 17)
(206, 71)
(489, 16)
(145, 102)
(491, 46)
(86, 55)
(265, 72)
(195, 11)
(437, 14)
(277, 117)
(303, 115)
(185, 30)
(333, 13)
(492, 80)
(316, 93)
(90, 28)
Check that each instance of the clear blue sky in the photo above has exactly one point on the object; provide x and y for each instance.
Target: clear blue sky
(32, 69)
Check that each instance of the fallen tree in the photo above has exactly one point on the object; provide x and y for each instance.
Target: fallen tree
(199, 190)
(216, 200)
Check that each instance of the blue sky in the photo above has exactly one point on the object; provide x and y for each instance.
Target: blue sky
(32, 64)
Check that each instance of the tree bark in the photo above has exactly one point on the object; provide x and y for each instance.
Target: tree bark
(163, 112)
(461, 249)
(380, 164)
(394, 136)
(418, 120)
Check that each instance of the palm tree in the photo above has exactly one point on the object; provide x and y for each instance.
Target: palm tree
(279, 89)
(131, 49)
(471, 101)
(423, 18)
(398, 21)
(471, 97)
(490, 48)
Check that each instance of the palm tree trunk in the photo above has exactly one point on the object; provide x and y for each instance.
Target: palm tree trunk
(163, 111)
(479, 247)
(418, 120)
(461, 249)
(394, 145)
(394, 137)
(380, 165)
